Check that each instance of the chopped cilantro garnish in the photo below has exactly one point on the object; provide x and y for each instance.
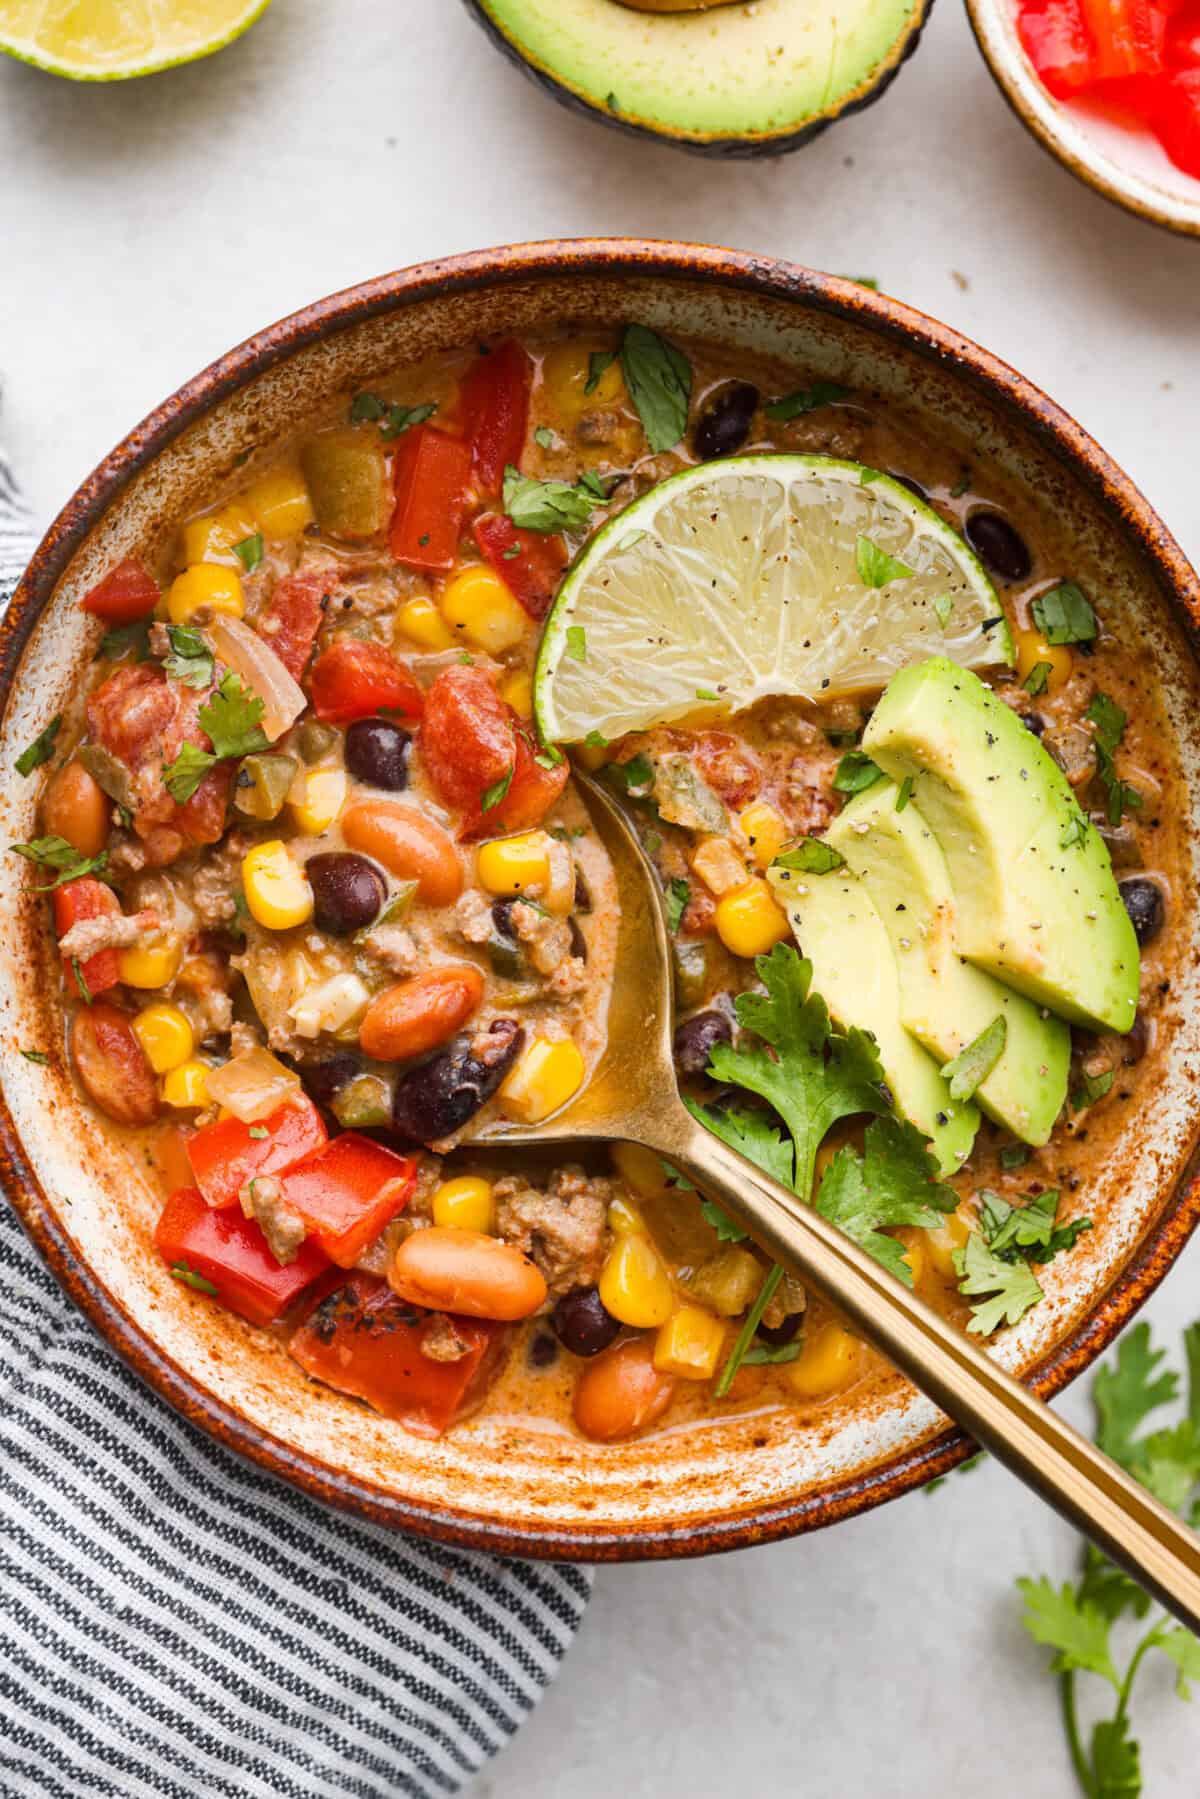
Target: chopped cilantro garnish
(547, 505)
(493, 795)
(905, 792)
(659, 379)
(596, 740)
(706, 693)
(399, 419)
(637, 773)
(1108, 722)
(36, 1055)
(190, 659)
(230, 716)
(875, 567)
(809, 856)
(944, 606)
(1091, 1088)
(1014, 1155)
(806, 399)
(57, 854)
(1009, 1288)
(258, 1131)
(576, 643)
(249, 551)
(856, 772)
(85, 992)
(545, 438)
(1075, 830)
(766, 1354)
(599, 362)
(365, 407)
(190, 1278)
(1035, 681)
(675, 901)
(135, 637)
(41, 749)
(972, 1065)
(1064, 615)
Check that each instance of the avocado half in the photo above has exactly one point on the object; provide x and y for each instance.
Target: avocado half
(731, 80)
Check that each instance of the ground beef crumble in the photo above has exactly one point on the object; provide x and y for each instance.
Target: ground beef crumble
(565, 1229)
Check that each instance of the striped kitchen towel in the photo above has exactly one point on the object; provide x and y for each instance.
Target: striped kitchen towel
(175, 1622)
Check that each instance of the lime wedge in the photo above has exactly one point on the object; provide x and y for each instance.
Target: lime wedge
(758, 575)
(111, 40)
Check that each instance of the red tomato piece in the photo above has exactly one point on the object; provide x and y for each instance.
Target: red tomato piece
(202, 818)
(143, 720)
(528, 562)
(74, 902)
(353, 679)
(495, 405)
(1129, 36)
(732, 770)
(125, 595)
(1176, 119)
(347, 1192)
(364, 1340)
(1058, 44)
(293, 616)
(533, 790)
(1183, 40)
(225, 1156)
(467, 739)
(231, 1254)
(430, 474)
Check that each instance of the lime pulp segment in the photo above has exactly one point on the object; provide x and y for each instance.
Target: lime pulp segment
(111, 40)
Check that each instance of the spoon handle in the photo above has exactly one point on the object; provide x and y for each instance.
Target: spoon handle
(1099, 1498)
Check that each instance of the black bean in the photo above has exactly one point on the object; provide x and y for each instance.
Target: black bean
(922, 493)
(724, 425)
(583, 898)
(777, 1334)
(1033, 721)
(582, 1324)
(1145, 906)
(542, 1351)
(436, 1099)
(578, 940)
(502, 918)
(324, 1080)
(996, 542)
(348, 891)
(377, 753)
(696, 1038)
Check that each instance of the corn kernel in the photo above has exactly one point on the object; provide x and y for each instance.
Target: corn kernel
(634, 1284)
(565, 374)
(764, 831)
(152, 966)
(748, 920)
(207, 584)
(316, 797)
(516, 690)
(186, 1087)
(718, 865)
(915, 1256)
(465, 1204)
(478, 606)
(166, 1036)
(623, 1218)
(509, 865)
(689, 1344)
(641, 1169)
(828, 1362)
(1032, 648)
(280, 504)
(276, 890)
(423, 624)
(941, 1243)
(545, 1077)
(211, 538)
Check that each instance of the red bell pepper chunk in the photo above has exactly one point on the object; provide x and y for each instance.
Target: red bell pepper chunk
(1183, 40)
(495, 406)
(528, 562)
(226, 1155)
(230, 1253)
(354, 679)
(292, 618)
(1177, 119)
(347, 1192)
(431, 473)
(1059, 45)
(125, 595)
(364, 1340)
(74, 902)
(1129, 35)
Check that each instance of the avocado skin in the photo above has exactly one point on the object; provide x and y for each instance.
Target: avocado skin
(729, 149)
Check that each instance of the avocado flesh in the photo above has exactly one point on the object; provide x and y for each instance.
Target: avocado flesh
(733, 72)
(1043, 918)
(838, 929)
(944, 1001)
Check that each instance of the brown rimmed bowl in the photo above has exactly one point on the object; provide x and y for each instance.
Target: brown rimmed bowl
(492, 1483)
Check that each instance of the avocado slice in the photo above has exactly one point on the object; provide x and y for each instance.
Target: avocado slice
(944, 1001)
(838, 929)
(1037, 902)
(726, 80)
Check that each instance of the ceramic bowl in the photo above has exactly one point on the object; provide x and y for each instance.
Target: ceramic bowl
(494, 1483)
(1123, 162)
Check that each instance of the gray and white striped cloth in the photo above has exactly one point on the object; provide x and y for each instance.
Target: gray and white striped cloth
(175, 1622)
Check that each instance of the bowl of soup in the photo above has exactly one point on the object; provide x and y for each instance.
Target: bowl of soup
(306, 908)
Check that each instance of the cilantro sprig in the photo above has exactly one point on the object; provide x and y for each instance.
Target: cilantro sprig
(995, 1265)
(1108, 727)
(549, 505)
(659, 380)
(230, 717)
(1079, 1621)
(61, 858)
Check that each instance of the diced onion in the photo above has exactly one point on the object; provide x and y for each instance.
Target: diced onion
(242, 650)
(252, 1085)
(559, 897)
(331, 1006)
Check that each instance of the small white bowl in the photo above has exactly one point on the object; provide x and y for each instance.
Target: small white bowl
(1125, 163)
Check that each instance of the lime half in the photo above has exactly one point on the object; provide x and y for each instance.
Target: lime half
(111, 40)
(758, 575)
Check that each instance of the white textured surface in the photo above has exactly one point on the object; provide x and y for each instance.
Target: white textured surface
(144, 229)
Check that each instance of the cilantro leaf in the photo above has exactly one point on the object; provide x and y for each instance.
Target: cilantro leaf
(599, 363)
(1075, 831)
(893, 1184)
(754, 1135)
(1005, 1290)
(1064, 615)
(135, 637)
(856, 772)
(806, 399)
(41, 749)
(576, 643)
(37, 1056)
(1077, 1632)
(365, 407)
(943, 606)
(1116, 1760)
(545, 438)
(765, 1354)
(675, 902)
(57, 854)
(875, 567)
(1126, 1391)
(636, 774)
(1091, 1088)
(968, 1070)
(182, 776)
(190, 1278)
(659, 379)
(231, 718)
(249, 551)
(1035, 681)
(1108, 722)
(1184, 1650)
(727, 1231)
(809, 856)
(190, 660)
(398, 419)
(547, 505)
(498, 791)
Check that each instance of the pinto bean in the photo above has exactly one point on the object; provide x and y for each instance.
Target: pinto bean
(418, 1014)
(112, 1066)
(466, 1272)
(621, 1392)
(77, 808)
(409, 845)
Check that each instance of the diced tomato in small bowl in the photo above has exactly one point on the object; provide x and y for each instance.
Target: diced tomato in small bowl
(223, 1254)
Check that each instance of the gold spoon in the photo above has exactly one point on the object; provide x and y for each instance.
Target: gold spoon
(632, 1097)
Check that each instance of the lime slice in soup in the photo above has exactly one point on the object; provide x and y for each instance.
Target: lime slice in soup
(758, 575)
(97, 40)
